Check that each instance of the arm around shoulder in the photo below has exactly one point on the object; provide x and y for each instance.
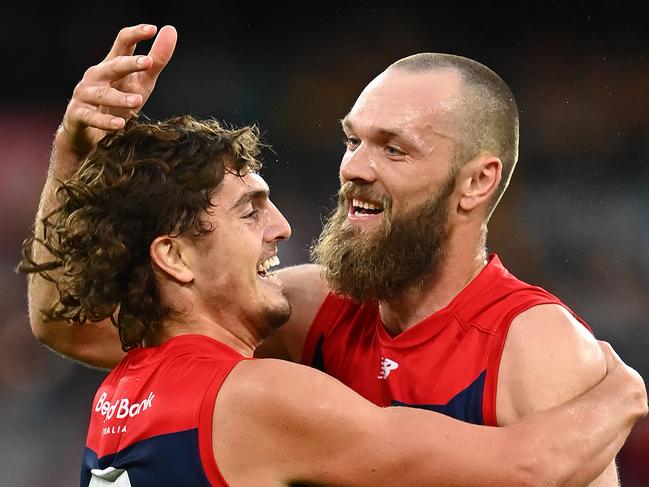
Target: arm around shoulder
(300, 426)
(306, 289)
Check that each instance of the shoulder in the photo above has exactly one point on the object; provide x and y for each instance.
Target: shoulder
(549, 357)
(284, 413)
(306, 288)
(551, 328)
(262, 383)
(272, 392)
(496, 296)
(304, 284)
(254, 409)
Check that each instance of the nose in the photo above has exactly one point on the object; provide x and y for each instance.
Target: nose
(278, 227)
(358, 165)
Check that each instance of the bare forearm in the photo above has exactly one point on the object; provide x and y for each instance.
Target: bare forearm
(86, 343)
(452, 453)
(578, 440)
(569, 445)
(41, 292)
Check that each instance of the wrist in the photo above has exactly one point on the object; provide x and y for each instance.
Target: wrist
(65, 158)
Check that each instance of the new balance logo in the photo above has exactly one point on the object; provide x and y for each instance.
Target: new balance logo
(387, 366)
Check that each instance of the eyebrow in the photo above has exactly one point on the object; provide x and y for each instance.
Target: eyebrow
(393, 133)
(381, 132)
(249, 196)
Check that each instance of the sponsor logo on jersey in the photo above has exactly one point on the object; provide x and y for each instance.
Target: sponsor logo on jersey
(387, 366)
(122, 408)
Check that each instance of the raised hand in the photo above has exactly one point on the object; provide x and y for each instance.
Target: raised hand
(111, 92)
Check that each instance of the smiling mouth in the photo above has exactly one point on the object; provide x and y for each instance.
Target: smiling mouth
(264, 267)
(360, 208)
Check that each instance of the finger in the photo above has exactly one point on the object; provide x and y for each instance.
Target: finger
(162, 49)
(106, 95)
(88, 116)
(119, 67)
(128, 37)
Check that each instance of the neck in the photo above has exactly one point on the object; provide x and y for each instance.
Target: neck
(227, 330)
(460, 265)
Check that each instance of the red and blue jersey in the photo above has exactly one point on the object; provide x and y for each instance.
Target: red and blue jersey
(151, 421)
(446, 363)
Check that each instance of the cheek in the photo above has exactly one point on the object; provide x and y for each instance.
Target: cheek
(408, 195)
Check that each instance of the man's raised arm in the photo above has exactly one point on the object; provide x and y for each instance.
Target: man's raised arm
(109, 94)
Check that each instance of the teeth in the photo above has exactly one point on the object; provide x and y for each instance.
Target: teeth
(268, 263)
(365, 205)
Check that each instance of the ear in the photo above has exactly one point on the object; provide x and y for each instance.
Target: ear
(167, 254)
(478, 180)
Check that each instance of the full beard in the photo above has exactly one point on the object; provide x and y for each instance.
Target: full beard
(402, 254)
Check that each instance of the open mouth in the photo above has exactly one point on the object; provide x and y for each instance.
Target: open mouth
(264, 267)
(361, 208)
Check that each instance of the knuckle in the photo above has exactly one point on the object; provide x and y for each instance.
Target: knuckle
(100, 92)
(84, 115)
(90, 72)
(78, 89)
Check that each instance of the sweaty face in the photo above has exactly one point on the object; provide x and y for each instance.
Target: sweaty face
(380, 263)
(233, 260)
(397, 177)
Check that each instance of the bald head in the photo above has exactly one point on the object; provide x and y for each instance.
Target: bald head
(486, 115)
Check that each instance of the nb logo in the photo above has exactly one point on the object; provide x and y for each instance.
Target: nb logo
(387, 366)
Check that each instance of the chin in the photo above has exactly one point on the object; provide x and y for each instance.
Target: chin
(277, 315)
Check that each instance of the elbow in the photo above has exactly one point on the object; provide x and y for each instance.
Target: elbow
(535, 466)
(38, 327)
(532, 474)
(43, 331)
(37, 322)
(539, 462)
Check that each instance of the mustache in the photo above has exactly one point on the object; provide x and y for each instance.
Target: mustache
(350, 190)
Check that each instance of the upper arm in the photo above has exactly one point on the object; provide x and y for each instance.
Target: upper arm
(548, 359)
(94, 344)
(299, 425)
(305, 289)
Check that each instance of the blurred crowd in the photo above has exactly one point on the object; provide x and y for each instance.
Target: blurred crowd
(574, 220)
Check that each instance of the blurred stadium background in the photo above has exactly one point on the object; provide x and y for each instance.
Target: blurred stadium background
(575, 219)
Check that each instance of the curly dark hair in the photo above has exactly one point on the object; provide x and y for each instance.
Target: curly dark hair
(151, 179)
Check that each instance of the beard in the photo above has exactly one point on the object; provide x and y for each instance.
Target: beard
(276, 316)
(403, 253)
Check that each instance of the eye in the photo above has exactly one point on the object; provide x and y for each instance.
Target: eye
(252, 214)
(351, 143)
(393, 151)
